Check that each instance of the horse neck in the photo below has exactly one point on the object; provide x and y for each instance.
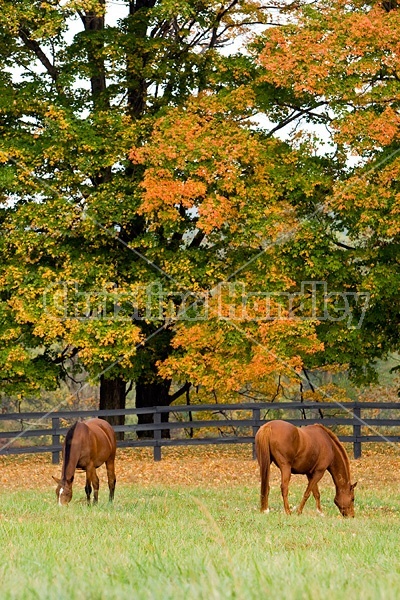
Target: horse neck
(340, 467)
(69, 469)
(71, 458)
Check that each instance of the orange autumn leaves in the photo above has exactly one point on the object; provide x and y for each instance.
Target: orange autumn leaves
(203, 160)
(207, 169)
(202, 466)
(332, 49)
(236, 345)
(224, 356)
(347, 57)
(207, 163)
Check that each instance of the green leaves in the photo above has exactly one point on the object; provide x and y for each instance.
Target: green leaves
(140, 155)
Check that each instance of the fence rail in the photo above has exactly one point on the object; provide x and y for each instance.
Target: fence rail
(360, 428)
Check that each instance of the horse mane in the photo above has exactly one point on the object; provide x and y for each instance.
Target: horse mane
(67, 447)
(338, 445)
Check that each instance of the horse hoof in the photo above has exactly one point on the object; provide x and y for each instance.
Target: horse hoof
(320, 513)
(266, 511)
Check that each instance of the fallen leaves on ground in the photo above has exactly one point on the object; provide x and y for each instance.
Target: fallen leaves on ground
(192, 467)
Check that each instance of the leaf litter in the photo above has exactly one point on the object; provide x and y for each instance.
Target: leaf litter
(193, 467)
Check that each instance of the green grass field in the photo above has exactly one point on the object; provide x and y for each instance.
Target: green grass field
(180, 543)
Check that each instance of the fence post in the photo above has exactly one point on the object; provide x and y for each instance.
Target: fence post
(256, 421)
(356, 432)
(157, 437)
(55, 440)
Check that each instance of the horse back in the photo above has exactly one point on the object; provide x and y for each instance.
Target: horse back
(316, 448)
(98, 443)
(102, 441)
(305, 449)
(284, 441)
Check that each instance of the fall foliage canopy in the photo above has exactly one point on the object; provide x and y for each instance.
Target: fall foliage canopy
(167, 206)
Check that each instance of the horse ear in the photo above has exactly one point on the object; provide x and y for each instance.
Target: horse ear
(353, 485)
(56, 479)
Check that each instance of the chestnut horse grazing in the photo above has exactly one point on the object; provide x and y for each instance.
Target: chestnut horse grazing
(310, 451)
(87, 445)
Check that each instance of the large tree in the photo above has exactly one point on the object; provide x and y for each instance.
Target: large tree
(156, 218)
(328, 83)
(105, 127)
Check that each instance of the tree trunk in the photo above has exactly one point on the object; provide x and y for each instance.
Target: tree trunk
(137, 55)
(148, 394)
(94, 24)
(112, 396)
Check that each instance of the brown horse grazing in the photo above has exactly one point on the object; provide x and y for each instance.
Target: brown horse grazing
(308, 451)
(87, 445)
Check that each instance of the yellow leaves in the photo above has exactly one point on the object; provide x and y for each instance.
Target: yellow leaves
(4, 156)
(94, 7)
(10, 334)
(369, 192)
(22, 311)
(14, 359)
(55, 113)
(50, 328)
(12, 276)
(16, 354)
(104, 341)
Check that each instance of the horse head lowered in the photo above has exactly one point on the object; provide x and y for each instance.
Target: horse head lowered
(311, 451)
(87, 446)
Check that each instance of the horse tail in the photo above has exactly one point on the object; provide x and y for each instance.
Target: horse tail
(264, 461)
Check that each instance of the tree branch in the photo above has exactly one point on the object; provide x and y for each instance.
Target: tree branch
(180, 392)
(309, 380)
(35, 47)
(63, 356)
(342, 245)
(221, 13)
(296, 114)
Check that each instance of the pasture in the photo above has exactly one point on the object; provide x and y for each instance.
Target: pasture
(190, 527)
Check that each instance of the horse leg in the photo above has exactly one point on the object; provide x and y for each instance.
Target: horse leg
(285, 478)
(96, 485)
(317, 497)
(88, 488)
(111, 477)
(92, 475)
(312, 483)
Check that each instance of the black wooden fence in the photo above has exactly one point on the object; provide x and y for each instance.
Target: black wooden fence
(355, 422)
